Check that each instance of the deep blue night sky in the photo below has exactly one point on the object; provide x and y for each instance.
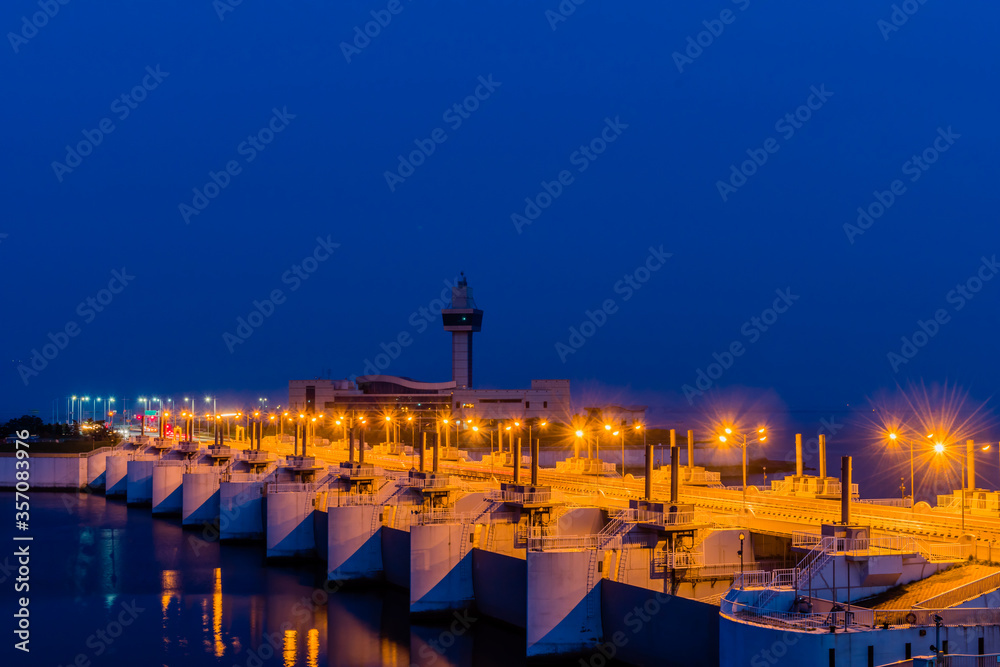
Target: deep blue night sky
(655, 186)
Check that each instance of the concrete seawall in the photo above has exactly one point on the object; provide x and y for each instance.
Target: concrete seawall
(56, 471)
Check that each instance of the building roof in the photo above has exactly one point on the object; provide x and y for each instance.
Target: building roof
(407, 383)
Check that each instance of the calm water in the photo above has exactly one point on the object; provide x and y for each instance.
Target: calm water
(183, 600)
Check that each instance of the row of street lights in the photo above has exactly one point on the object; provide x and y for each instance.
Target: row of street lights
(73, 410)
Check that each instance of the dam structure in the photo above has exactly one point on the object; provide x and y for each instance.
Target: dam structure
(667, 567)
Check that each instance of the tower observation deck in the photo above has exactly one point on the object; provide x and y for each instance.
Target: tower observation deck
(462, 319)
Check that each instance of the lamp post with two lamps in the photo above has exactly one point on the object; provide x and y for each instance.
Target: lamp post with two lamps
(745, 438)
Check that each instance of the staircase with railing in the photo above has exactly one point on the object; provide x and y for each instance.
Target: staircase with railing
(610, 536)
(813, 563)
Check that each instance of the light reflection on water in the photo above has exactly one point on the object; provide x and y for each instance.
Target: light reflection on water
(120, 587)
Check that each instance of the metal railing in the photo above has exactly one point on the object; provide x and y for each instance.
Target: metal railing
(967, 660)
(289, 487)
(424, 483)
(677, 518)
(877, 545)
(644, 516)
(833, 488)
(351, 499)
(943, 552)
(539, 542)
(857, 617)
(444, 516)
(780, 578)
(963, 593)
(363, 471)
(887, 502)
(700, 477)
(752, 579)
(684, 560)
(509, 496)
(247, 476)
(802, 538)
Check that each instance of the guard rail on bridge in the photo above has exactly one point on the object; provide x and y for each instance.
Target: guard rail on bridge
(857, 618)
(963, 593)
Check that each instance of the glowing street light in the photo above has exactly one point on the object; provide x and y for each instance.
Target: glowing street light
(939, 449)
(747, 438)
(896, 436)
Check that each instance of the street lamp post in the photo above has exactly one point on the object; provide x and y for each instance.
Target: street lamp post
(743, 445)
(742, 537)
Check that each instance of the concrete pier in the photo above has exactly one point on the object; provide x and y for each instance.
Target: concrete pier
(168, 496)
(97, 467)
(440, 567)
(289, 524)
(354, 543)
(116, 474)
(139, 485)
(441, 544)
(241, 510)
(200, 498)
(563, 602)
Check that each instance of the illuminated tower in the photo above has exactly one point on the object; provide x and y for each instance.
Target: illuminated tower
(463, 319)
